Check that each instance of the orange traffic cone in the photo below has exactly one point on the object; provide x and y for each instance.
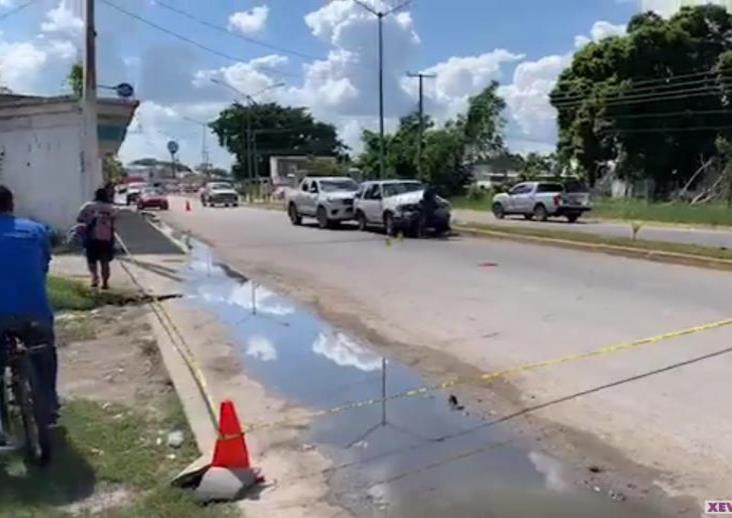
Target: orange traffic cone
(188, 206)
(231, 447)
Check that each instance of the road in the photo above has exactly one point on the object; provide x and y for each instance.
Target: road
(464, 304)
(673, 234)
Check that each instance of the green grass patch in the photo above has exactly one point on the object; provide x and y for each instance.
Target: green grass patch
(714, 214)
(100, 449)
(595, 239)
(463, 202)
(70, 295)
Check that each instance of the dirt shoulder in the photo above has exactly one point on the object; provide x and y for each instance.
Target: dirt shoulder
(112, 455)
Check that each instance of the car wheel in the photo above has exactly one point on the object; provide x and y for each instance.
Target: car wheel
(540, 213)
(498, 211)
(389, 225)
(363, 225)
(322, 217)
(572, 218)
(295, 217)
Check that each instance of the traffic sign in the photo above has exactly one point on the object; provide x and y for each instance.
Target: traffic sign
(172, 147)
(125, 90)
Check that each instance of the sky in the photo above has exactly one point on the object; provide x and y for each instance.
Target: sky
(320, 54)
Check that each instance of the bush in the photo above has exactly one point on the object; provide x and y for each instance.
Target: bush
(476, 193)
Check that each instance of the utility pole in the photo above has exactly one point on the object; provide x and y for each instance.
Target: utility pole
(380, 15)
(420, 143)
(204, 148)
(91, 164)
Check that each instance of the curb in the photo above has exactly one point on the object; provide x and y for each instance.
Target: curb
(618, 250)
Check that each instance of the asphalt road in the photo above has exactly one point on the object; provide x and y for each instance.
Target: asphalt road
(673, 234)
(497, 304)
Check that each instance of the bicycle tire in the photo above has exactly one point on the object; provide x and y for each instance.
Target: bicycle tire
(34, 412)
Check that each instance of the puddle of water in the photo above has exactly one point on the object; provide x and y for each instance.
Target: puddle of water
(416, 456)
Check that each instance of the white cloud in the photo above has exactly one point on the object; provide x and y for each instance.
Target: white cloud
(61, 19)
(600, 30)
(248, 22)
(261, 348)
(35, 66)
(346, 352)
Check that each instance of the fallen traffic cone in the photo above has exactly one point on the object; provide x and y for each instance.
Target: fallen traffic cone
(188, 205)
(230, 473)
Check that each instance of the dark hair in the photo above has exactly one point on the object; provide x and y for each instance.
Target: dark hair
(101, 195)
(6, 200)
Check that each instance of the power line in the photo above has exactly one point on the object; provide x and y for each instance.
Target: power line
(711, 81)
(15, 10)
(690, 113)
(223, 29)
(667, 130)
(183, 38)
(668, 96)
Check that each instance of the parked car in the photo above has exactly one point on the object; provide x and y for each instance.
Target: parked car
(152, 197)
(397, 205)
(327, 199)
(541, 200)
(129, 193)
(219, 193)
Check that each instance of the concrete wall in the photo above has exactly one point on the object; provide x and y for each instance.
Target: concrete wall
(41, 163)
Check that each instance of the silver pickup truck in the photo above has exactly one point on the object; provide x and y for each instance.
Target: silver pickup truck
(541, 200)
(327, 199)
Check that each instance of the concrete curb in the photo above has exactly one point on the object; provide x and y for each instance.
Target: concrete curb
(624, 251)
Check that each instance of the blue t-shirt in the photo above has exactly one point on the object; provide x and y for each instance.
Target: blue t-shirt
(25, 252)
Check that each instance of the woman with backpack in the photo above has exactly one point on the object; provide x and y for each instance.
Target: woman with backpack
(98, 219)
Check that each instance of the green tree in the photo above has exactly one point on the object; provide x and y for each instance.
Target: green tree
(112, 169)
(276, 130)
(75, 79)
(616, 100)
(483, 124)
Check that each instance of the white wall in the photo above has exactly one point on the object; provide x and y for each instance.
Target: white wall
(42, 165)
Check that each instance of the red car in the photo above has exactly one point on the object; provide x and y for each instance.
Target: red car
(150, 198)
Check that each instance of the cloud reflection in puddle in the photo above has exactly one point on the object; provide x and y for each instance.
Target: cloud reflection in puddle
(344, 351)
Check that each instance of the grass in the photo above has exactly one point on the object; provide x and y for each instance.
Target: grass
(594, 239)
(104, 448)
(714, 214)
(70, 295)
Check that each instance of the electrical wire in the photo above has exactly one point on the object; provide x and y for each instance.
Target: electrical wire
(16, 10)
(183, 38)
(683, 113)
(666, 130)
(225, 30)
(669, 96)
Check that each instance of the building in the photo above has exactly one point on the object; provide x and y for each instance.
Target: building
(287, 171)
(41, 152)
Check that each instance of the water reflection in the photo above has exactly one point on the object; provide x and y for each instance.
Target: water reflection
(344, 351)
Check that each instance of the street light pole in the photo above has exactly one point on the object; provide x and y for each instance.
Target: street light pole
(249, 137)
(204, 151)
(380, 15)
(420, 143)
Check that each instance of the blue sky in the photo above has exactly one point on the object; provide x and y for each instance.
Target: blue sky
(524, 44)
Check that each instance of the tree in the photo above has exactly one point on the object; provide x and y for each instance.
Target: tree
(75, 79)
(112, 169)
(483, 124)
(277, 130)
(622, 98)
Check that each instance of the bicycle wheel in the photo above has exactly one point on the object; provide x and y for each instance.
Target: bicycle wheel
(34, 412)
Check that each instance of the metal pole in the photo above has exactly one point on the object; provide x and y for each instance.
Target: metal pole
(92, 174)
(254, 298)
(420, 142)
(383, 391)
(249, 150)
(382, 151)
(204, 158)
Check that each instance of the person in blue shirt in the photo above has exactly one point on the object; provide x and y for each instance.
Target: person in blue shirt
(25, 253)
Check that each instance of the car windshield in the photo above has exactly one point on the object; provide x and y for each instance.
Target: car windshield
(394, 189)
(550, 187)
(346, 184)
(576, 186)
(152, 191)
(220, 186)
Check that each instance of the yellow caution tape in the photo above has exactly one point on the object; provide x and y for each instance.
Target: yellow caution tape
(187, 356)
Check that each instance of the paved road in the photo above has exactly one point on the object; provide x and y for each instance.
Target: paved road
(494, 304)
(695, 236)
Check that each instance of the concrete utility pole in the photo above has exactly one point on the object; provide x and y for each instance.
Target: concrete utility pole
(204, 147)
(91, 163)
(420, 144)
(380, 15)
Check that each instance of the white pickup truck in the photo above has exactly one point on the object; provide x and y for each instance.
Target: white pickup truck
(540, 200)
(327, 199)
